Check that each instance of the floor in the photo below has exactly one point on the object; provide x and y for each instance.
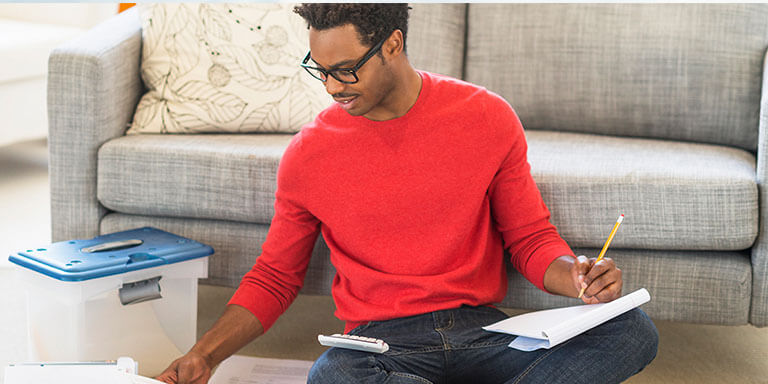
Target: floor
(688, 353)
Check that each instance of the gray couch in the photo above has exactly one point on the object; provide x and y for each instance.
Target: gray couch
(656, 111)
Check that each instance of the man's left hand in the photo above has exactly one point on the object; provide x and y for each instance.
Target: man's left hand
(602, 279)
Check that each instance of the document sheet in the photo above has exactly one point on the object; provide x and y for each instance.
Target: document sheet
(256, 370)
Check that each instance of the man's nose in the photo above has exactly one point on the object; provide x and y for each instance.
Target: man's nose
(333, 86)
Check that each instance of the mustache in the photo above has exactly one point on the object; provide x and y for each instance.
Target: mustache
(343, 95)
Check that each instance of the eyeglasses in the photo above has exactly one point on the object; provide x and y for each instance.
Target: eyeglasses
(343, 75)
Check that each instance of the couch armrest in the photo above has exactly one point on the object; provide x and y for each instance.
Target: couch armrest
(758, 315)
(94, 85)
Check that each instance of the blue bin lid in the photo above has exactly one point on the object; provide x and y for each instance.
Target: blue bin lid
(110, 254)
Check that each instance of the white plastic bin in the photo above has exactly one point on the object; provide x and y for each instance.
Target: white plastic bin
(145, 306)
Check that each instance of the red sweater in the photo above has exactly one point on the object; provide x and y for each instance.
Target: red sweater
(415, 210)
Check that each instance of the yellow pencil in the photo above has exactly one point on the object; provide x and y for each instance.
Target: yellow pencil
(605, 247)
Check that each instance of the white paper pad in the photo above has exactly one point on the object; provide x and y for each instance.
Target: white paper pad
(545, 329)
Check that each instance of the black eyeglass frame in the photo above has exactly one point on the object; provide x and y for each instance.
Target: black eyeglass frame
(353, 71)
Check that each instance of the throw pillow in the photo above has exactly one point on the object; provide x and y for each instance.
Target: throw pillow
(225, 68)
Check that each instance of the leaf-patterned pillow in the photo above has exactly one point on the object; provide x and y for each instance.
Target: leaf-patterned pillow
(225, 68)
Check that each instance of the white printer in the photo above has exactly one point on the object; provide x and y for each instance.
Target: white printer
(121, 371)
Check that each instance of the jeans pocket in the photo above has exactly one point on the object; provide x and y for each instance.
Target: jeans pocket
(487, 315)
(403, 377)
(360, 328)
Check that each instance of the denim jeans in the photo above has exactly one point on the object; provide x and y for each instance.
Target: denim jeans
(450, 347)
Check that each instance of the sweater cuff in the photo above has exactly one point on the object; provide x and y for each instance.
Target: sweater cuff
(544, 256)
(261, 304)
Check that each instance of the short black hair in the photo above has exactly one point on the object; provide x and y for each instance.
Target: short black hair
(374, 22)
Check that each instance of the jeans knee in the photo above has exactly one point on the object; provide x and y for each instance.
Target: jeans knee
(344, 366)
(339, 366)
(322, 370)
(643, 336)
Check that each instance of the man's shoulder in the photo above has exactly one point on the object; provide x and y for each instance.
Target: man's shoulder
(447, 83)
(314, 134)
(473, 104)
(451, 88)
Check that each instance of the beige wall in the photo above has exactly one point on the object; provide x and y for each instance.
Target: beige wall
(28, 32)
(68, 14)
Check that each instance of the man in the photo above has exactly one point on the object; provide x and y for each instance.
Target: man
(418, 182)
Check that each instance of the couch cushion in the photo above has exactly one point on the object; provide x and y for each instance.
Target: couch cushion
(229, 177)
(674, 195)
(678, 71)
(436, 38)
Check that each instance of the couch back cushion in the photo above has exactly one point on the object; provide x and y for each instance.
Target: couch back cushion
(673, 71)
(435, 39)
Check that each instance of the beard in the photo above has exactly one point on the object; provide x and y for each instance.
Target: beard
(378, 94)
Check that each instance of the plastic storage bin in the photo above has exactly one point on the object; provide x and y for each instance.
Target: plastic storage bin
(131, 293)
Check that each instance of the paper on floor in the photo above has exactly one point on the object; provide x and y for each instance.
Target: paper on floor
(251, 370)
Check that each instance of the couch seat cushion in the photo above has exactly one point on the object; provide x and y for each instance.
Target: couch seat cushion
(675, 195)
(212, 176)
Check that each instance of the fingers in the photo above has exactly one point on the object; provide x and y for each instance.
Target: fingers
(581, 267)
(170, 376)
(189, 369)
(167, 378)
(603, 282)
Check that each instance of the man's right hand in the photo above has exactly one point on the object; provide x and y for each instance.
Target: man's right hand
(191, 368)
(233, 330)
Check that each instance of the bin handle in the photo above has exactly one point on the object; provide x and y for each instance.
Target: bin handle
(115, 245)
(140, 291)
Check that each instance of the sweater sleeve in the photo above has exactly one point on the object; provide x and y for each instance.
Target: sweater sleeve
(278, 274)
(518, 209)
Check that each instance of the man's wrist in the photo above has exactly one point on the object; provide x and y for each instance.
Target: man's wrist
(233, 330)
(205, 352)
(557, 277)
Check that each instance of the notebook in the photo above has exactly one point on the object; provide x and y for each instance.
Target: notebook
(548, 328)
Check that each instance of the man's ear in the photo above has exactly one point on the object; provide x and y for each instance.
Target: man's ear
(394, 45)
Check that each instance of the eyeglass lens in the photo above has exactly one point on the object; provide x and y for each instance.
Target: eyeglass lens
(343, 75)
